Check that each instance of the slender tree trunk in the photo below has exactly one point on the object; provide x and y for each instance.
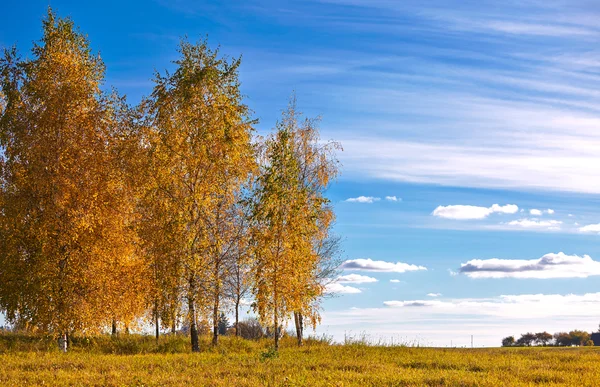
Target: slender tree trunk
(192, 312)
(276, 331)
(156, 322)
(215, 339)
(62, 342)
(173, 326)
(237, 317)
(298, 323)
(114, 327)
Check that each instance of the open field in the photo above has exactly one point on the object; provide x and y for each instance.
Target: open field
(140, 362)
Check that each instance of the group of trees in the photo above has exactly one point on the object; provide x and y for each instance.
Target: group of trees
(559, 339)
(172, 209)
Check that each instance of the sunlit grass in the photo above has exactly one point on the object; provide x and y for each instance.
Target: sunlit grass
(139, 361)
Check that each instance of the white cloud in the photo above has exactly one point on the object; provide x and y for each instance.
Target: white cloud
(395, 281)
(590, 228)
(434, 294)
(535, 223)
(536, 212)
(464, 212)
(512, 306)
(413, 303)
(393, 199)
(379, 266)
(506, 209)
(549, 266)
(363, 199)
(337, 288)
(355, 279)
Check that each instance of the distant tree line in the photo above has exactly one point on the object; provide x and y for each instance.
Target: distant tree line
(559, 339)
(171, 211)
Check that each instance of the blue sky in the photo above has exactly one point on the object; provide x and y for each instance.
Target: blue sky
(450, 106)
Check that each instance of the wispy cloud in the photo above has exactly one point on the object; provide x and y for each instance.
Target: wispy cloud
(434, 294)
(337, 288)
(549, 266)
(380, 266)
(513, 306)
(464, 212)
(536, 212)
(393, 199)
(536, 224)
(354, 279)
(363, 199)
(395, 281)
(414, 303)
(514, 84)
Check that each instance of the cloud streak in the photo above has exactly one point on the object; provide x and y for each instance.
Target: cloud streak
(467, 212)
(552, 265)
(379, 266)
(336, 288)
(511, 306)
(363, 199)
(355, 279)
(536, 224)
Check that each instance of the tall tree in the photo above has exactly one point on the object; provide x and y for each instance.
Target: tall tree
(291, 216)
(202, 153)
(65, 208)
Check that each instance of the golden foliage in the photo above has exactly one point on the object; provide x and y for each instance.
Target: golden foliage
(66, 210)
(201, 152)
(291, 216)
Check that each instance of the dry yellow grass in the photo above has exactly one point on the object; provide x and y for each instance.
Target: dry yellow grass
(242, 363)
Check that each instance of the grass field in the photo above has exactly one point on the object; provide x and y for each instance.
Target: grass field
(139, 361)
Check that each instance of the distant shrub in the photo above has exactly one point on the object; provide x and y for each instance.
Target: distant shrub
(251, 329)
(508, 341)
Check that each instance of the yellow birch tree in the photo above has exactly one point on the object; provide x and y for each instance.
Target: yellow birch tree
(290, 215)
(65, 213)
(202, 151)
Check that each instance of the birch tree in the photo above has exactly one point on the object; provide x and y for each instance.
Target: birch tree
(65, 210)
(202, 151)
(291, 215)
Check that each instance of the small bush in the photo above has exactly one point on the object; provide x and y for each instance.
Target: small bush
(251, 329)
